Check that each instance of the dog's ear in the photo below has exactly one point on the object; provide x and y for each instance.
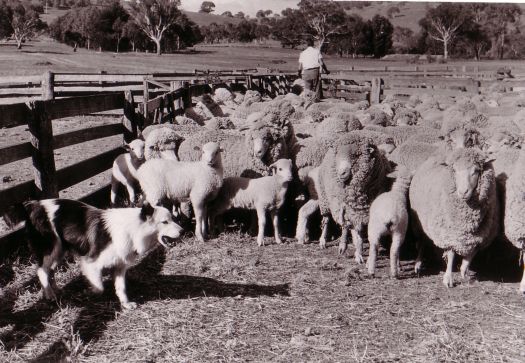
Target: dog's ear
(146, 211)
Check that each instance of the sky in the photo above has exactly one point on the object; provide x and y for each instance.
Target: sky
(249, 7)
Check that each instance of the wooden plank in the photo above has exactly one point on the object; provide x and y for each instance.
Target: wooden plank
(98, 88)
(155, 103)
(41, 129)
(129, 121)
(15, 152)
(414, 91)
(21, 79)
(158, 84)
(20, 91)
(87, 134)
(85, 169)
(67, 107)
(17, 194)
(48, 84)
(64, 77)
(14, 115)
(352, 96)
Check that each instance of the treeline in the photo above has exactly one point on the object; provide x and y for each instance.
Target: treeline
(107, 25)
(20, 20)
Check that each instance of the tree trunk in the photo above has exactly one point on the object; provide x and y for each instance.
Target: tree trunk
(19, 44)
(133, 45)
(88, 43)
(157, 44)
(178, 43)
(445, 49)
(118, 44)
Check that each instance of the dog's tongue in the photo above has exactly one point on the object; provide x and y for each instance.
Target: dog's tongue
(168, 242)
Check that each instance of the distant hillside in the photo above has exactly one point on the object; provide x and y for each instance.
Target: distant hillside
(410, 12)
(199, 18)
(206, 19)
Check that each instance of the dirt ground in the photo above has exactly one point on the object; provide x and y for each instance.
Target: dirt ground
(228, 300)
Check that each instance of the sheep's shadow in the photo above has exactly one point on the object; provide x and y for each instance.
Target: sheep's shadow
(144, 284)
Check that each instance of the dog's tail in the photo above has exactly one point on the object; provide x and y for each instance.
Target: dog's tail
(18, 213)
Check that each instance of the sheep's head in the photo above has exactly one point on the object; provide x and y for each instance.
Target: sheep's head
(136, 149)
(355, 157)
(283, 169)
(211, 154)
(162, 143)
(468, 166)
(460, 134)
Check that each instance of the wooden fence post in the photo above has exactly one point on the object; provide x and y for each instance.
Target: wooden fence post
(375, 92)
(186, 98)
(41, 130)
(129, 120)
(250, 82)
(48, 86)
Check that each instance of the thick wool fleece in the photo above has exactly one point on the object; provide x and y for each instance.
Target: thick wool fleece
(514, 221)
(450, 222)
(349, 201)
(160, 139)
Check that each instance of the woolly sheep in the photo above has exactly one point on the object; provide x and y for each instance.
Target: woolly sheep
(198, 181)
(351, 175)
(401, 134)
(185, 121)
(389, 216)
(221, 95)
(261, 194)
(249, 155)
(161, 142)
(406, 116)
(124, 171)
(514, 222)
(413, 154)
(454, 204)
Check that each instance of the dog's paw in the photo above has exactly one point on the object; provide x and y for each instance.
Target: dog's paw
(129, 305)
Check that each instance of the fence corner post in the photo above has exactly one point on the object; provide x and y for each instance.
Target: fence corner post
(129, 120)
(375, 92)
(41, 138)
(48, 85)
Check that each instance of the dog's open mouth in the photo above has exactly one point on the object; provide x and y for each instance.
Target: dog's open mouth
(169, 242)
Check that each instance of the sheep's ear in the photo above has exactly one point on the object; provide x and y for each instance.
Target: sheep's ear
(146, 211)
(370, 150)
(441, 137)
(126, 147)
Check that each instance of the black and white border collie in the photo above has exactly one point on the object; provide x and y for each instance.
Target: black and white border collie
(102, 238)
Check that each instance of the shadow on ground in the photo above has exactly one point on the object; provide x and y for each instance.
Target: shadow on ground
(144, 284)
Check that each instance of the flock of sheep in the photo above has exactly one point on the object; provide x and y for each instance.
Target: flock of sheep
(451, 168)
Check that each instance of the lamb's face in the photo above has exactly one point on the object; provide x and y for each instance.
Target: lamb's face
(283, 168)
(211, 154)
(136, 148)
(354, 160)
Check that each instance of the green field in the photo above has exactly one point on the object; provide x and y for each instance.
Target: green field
(45, 54)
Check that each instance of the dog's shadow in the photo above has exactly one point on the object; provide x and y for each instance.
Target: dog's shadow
(98, 310)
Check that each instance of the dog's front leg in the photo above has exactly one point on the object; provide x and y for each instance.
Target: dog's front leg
(120, 287)
(93, 273)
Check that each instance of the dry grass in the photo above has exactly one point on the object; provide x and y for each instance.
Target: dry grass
(228, 300)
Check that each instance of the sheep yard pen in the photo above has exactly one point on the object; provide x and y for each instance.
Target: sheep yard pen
(226, 300)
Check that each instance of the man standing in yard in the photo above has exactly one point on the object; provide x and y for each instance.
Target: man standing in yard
(310, 65)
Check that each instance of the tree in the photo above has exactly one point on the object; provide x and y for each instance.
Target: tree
(240, 15)
(403, 40)
(351, 38)
(5, 25)
(134, 34)
(323, 18)
(444, 22)
(289, 28)
(155, 17)
(245, 31)
(207, 7)
(228, 14)
(381, 31)
(499, 20)
(24, 20)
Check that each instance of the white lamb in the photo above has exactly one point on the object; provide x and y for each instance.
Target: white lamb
(125, 169)
(389, 216)
(198, 181)
(262, 194)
